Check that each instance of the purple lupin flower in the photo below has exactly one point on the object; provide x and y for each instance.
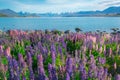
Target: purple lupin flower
(67, 76)
(64, 45)
(100, 73)
(16, 70)
(81, 66)
(92, 67)
(52, 48)
(23, 77)
(101, 60)
(90, 73)
(49, 70)
(105, 73)
(60, 50)
(69, 66)
(22, 65)
(45, 51)
(53, 58)
(117, 77)
(92, 59)
(52, 72)
(41, 73)
(83, 74)
(40, 47)
(29, 61)
(21, 60)
(10, 68)
(30, 49)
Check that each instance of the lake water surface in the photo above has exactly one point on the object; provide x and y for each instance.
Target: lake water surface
(60, 23)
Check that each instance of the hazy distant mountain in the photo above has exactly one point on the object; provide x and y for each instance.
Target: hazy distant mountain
(111, 11)
(26, 14)
(8, 12)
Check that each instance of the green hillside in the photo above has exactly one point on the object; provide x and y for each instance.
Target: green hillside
(3, 15)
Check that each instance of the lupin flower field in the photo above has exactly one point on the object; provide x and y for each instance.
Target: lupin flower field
(56, 55)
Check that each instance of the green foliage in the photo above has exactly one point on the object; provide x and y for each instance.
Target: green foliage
(4, 75)
(72, 46)
(1, 75)
(96, 54)
(7, 75)
(34, 63)
(117, 60)
(27, 74)
(113, 46)
(110, 61)
(47, 61)
(77, 76)
(4, 60)
(58, 61)
(57, 32)
(27, 43)
(18, 48)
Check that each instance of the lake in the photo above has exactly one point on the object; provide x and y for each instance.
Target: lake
(61, 23)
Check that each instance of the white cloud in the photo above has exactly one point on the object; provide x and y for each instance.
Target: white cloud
(58, 6)
(57, 1)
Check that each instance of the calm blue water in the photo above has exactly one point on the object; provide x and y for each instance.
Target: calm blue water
(61, 23)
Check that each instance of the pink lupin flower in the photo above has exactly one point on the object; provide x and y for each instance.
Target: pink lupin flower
(3, 70)
(1, 49)
(115, 66)
(93, 46)
(110, 52)
(93, 39)
(84, 49)
(104, 47)
(8, 51)
(107, 36)
(118, 47)
(96, 47)
(104, 50)
(13, 33)
(90, 52)
(100, 49)
(102, 40)
(23, 33)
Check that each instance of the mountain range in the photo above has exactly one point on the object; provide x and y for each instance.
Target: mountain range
(111, 11)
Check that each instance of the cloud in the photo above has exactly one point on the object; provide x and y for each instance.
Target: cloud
(57, 1)
(110, 2)
(113, 4)
(57, 6)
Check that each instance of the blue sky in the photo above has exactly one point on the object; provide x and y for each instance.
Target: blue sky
(57, 6)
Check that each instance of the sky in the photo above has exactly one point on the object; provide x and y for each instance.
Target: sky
(57, 6)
